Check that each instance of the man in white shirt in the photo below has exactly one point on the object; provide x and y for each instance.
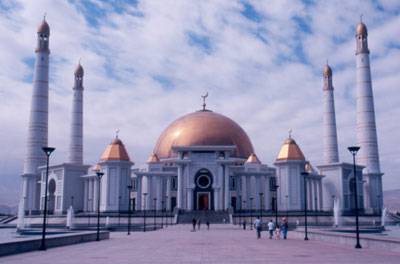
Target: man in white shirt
(271, 228)
(257, 226)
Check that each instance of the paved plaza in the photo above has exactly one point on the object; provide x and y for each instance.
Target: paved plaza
(222, 244)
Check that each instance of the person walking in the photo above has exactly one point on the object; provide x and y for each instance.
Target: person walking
(194, 224)
(208, 224)
(271, 228)
(244, 225)
(257, 226)
(198, 224)
(284, 228)
(278, 231)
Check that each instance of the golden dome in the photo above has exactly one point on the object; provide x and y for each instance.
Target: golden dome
(79, 70)
(253, 159)
(115, 151)
(203, 128)
(327, 70)
(361, 29)
(153, 159)
(96, 168)
(308, 167)
(290, 151)
(44, 28)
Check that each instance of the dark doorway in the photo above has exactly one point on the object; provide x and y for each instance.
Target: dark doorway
(233, 203)
(273, 203)
(173, 203)
(203, 201)
(203, 193)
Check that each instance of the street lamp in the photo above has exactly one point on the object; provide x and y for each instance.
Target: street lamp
(155, 212)
(287, 217)
(276, 204)
(166, 211)
(244, 212)
(261, 205)
(162, 214)
(119, 210)
(47, 151)
(240, 215)
(99, 175)
(144, 210)
(129, 209)
(353, 150)
(251, 213)
(305, 174)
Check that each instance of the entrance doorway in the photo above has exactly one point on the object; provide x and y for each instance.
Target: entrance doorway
(203, 201)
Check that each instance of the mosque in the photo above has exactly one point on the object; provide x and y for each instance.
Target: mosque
(202, 160)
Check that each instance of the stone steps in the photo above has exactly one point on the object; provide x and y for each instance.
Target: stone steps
(215, 217)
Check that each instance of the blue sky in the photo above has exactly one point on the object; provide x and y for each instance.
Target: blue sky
(147, 63)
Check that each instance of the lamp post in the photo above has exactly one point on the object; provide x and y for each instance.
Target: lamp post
(316, 211)
(129, 209)
(47, 151)
(91, 208)
(305, 174)
(162, 214)
(240, 215)
(287, 217)
(166, 211)
(144, 212)
(261, 204)
(244, 212)
(353, 150)
(119, 210)
(99, 175)
(251, 213)
(155, 212)
(276, 204)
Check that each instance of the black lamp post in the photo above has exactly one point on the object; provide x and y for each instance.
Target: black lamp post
(316, 211)
(287, 217)
(99, 175)
(240, 215)
(261, 204)
(48, 152)
(144, 211)
(162, 214)
(353, 150)
(244, 211)
(251, 213)
(305, 174)
(129, 209)
(119, 210)
(166, 211)
(155, 212)
(89, 211)
(276, 203)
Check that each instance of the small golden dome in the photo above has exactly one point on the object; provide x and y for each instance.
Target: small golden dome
(203, 128)
(79, 70)
(361, 29)
(253, 159)
(44, 28)
(115, 151)
(309, 167)
(153, 159)
(96, 168)
(290, 151)
(327, 71)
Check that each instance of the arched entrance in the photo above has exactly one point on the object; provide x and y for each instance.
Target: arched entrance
(51, 196)
(203, 193)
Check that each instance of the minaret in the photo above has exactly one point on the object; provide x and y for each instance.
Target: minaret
(368, 155)
(330, 144)
(75, 153)
(38, 120)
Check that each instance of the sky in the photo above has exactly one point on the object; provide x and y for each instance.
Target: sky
(148, 62)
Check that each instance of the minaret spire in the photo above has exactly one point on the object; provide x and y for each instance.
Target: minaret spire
(367, 140)
(38, 121)
(75, 154)
(330, 144)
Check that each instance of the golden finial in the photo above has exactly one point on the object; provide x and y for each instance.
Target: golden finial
(290, 133)
(116, 133)
(204, 100)
(44, 16)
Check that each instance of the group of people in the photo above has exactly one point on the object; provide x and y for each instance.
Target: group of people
(198, 222)
(283, 228)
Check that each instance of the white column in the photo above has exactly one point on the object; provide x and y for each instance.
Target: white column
(190, 199)
(257, 193)
(217, 204)
(320, 194)
(315, 194)
(85, 195)
(248, 190)
(310, 195)
(139, 193)
(148, 196)
(158, 194)
(168, 193)
(227, 192)
(180, 187)
(267, 201)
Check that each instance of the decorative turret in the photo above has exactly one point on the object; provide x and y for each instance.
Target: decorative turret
(75, 154)
(43, 37)
(290, 151)
(361, 36)
(115, 151)
(253, 159)
(330, 145)
(153, 159)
